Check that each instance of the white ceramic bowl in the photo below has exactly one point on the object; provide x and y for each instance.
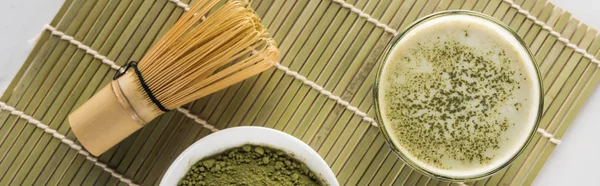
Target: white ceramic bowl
(238, 136)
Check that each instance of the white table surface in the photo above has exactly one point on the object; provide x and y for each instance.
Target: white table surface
(574, 161)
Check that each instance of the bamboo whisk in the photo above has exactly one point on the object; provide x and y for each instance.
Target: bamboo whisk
(198, 56)
(183, 65)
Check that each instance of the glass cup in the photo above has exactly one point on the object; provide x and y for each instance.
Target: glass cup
(383, 60)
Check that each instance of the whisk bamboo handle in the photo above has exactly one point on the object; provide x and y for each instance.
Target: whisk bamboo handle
(115, 112)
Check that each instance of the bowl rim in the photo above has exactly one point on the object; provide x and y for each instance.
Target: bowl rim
(311, 155)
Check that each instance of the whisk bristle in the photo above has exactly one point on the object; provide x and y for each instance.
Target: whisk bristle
(200, 56)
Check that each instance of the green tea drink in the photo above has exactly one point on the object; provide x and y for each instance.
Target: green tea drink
(459, 96)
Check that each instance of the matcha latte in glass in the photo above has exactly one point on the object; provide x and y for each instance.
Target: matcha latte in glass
(458, 96)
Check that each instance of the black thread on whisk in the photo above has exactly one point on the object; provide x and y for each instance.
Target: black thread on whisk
(133, 64)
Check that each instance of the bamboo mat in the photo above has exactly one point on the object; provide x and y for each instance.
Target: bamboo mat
(334, 46)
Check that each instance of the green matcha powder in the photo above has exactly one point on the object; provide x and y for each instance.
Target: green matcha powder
(250, 165)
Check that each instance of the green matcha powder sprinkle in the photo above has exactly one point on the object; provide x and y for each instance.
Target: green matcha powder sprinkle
(447, 114)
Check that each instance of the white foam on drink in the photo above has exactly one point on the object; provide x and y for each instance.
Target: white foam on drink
(482, 34)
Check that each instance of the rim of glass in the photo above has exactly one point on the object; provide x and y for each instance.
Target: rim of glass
(382, 61)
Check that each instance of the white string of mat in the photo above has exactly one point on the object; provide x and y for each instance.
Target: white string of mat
(327, 93)
(80, 45)
(367, 16)
(181, 4)
(544, 26)
(202, 122)
(63, 139)
(549, 136)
